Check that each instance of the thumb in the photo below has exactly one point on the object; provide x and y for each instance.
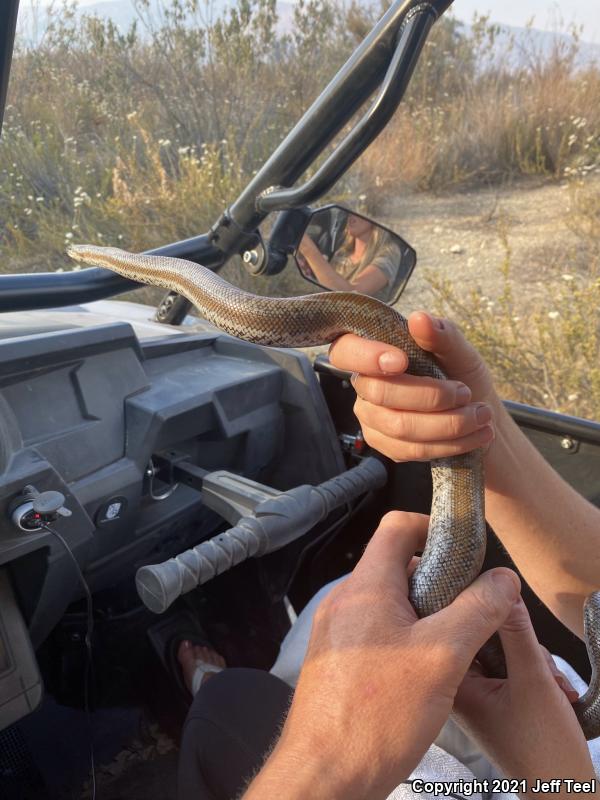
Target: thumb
(522, 651)
(457, 357)
(477, 613)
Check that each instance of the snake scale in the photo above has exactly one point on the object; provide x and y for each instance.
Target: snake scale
(456, 540)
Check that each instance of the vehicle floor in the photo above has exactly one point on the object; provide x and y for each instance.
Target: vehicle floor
(134, 759)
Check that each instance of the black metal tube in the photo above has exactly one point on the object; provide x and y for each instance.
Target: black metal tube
(8, 26)
(55, 289)
(412, 38)
(334, 108)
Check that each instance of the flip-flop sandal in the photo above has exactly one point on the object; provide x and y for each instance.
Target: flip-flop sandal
(202, 667)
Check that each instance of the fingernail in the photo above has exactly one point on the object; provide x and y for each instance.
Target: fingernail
(392, 362)
(566, 685)
(508, 583)
(483, 414)
(463, 394)
(353, 378)
(571, 693)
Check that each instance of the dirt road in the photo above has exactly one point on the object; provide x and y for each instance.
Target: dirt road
(461, 236)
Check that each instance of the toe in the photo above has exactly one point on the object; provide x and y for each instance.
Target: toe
(209, 656)
(185, 652)
(187, 661)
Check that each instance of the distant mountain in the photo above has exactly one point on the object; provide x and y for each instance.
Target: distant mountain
(524, 40)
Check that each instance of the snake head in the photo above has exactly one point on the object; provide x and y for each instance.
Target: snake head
(77, 252)
(93, 254)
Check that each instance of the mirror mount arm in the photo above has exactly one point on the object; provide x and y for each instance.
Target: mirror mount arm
(411, 40)
(286, 233)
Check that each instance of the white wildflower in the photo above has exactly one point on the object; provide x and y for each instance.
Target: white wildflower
(554, 314)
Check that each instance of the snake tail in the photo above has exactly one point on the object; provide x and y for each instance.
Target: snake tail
(587, 707)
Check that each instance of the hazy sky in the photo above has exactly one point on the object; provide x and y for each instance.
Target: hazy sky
(547, 14)
(517, 12)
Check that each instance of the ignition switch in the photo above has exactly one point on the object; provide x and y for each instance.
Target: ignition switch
(354, 445)
(31, 510)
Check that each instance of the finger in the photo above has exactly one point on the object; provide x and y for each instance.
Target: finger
(472, 700)
(561, 679)
(413, 426)
(399, 536)
(355, 354)
(524, 656)
(413, 564)
(411, 392)
(477, 613)
(444, 339)
(425, 451)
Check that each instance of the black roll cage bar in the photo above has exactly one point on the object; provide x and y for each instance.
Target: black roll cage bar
(386, 58)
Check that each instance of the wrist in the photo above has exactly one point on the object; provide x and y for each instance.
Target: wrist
(301, 767)
(290, 776)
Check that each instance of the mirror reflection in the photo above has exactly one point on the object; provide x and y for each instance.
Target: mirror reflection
(344, 251)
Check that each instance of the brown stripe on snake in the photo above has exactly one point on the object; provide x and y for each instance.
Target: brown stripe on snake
(456, 540)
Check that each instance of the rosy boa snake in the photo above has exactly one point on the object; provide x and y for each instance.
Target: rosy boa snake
(456, 540)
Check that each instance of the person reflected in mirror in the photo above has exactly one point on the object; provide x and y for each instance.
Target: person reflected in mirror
(367, 260)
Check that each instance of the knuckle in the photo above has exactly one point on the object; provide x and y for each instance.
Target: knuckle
(400, 426)
(393, 519)
(375, 391)
(457, 426)
(438, 398)
(359, 409)
(486, 607)
(519, 622)
(417, 452)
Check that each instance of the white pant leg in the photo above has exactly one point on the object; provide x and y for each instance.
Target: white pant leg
(294, 646)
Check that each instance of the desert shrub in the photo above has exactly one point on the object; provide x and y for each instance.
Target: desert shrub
(543, 347)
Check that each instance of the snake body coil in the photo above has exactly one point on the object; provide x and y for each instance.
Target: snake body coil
(456, 540)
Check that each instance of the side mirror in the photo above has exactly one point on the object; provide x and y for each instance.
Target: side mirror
(338, 244)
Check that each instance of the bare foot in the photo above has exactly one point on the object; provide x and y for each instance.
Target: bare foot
(189, 654)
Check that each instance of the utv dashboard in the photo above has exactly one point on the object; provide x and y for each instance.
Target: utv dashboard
(88, 411)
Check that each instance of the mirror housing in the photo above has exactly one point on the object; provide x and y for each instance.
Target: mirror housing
(338, 247)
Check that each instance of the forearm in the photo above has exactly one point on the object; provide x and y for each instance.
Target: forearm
(551, 532)
(290, 776)
(294, 781)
